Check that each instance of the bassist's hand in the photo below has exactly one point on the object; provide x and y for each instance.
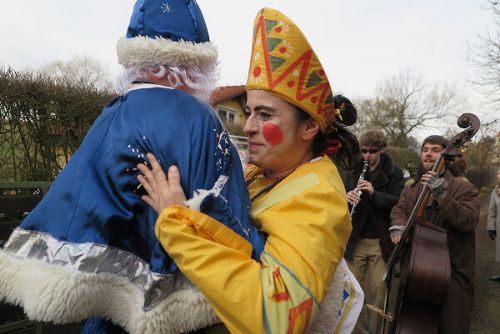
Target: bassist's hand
(396, 231)
(396, 239)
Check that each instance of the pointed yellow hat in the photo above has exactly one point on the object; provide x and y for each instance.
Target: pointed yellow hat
(284, 63)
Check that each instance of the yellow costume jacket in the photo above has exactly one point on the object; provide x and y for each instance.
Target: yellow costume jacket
(307, 222)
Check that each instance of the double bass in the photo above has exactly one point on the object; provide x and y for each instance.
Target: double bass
(418, 271)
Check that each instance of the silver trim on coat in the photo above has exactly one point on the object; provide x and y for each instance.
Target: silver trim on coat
(93, 258)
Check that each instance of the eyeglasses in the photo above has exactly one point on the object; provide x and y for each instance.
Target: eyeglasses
(369, 150)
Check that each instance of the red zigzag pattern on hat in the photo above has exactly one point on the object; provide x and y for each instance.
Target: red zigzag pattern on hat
(302, 61)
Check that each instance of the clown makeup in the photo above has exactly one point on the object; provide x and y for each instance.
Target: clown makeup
(272, 133)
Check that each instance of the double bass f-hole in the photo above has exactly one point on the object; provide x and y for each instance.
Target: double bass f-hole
(423, 259)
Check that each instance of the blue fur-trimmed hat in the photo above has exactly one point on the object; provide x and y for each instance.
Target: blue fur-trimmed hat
(171, 32)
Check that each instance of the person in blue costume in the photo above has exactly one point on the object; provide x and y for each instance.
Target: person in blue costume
(89, 248)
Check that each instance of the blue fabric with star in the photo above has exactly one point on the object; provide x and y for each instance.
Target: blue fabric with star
(185, 21)
(95, 198)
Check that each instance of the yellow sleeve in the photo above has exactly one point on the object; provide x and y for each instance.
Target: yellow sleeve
(307, 234)
(218, 261)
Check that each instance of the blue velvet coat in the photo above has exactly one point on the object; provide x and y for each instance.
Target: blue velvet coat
(95, 198)
(93, 220)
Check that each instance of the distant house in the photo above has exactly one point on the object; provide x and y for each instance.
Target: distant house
(229, 102)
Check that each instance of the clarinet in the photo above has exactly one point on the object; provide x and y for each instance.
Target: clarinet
(357, 190)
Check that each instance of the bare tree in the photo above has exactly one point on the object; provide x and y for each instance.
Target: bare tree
(404, 103)
(81, 70)
(484, 53)
(481, 151)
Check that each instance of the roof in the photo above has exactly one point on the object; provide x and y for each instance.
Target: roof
(226, 93)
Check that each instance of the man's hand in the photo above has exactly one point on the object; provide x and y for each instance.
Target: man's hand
(396, 239)
(162, 191)
(492, 234)
(366, 186)
(437, 185)
(427, 176)
(396, 232)
(352, 197)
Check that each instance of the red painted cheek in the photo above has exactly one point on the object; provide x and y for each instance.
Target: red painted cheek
(272, 133)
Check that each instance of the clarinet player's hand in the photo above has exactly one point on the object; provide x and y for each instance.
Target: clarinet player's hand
(352, 197)
(366, 186)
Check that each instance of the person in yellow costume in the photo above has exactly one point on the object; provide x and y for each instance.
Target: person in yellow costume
(294, 124)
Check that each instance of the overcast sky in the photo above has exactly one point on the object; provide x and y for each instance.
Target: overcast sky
(360, 43)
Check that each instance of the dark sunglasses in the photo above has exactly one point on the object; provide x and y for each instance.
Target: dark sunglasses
(369, 150)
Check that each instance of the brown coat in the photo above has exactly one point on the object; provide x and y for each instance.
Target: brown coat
(458, 213)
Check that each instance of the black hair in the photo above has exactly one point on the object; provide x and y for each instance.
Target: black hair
(348, 154)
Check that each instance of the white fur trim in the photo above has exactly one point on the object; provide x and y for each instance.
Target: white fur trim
(146, 51)
(194, 203)
(53, 293)
(199, 195)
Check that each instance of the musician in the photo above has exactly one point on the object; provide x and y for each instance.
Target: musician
(454, 205)
(369, 245)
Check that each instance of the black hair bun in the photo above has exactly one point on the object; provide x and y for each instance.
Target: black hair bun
(348, 113)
